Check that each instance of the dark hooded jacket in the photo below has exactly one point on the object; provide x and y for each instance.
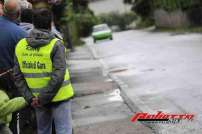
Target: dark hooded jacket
(28, 27)
(36, 39)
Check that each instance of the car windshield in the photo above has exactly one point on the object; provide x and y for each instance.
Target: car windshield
(100, 28)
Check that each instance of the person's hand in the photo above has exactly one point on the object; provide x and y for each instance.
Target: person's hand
(35, 102)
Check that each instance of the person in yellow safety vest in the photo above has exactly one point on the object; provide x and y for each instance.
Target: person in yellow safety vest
(42, 76)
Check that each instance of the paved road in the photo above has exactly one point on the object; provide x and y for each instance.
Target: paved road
(107, 6)
(161, 72)
(97, 105)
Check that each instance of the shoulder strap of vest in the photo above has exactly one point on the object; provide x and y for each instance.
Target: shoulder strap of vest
(53, 41)
(22, 42)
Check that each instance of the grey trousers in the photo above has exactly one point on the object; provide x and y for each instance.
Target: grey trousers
(5, 130)
(60, 114)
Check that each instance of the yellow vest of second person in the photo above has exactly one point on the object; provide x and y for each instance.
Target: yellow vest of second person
(36, 66)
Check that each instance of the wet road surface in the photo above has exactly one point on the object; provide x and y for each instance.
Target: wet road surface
(163, 71)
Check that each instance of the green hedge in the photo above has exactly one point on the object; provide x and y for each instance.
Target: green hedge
(68, 20)
(80, 21)
(84, 22)
(120, 20)
(174, 4)
(145, 7)
(193, 8)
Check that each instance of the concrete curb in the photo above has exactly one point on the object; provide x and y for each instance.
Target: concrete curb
(134, 107)
(135, 104)
(139, 106)
(120, 83)
(99, 108)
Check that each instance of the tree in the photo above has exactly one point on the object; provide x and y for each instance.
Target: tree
(142, 7)
(145, 8)
(128, 1)
(80, 4)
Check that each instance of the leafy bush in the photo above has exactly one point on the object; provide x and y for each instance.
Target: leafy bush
(195, 16)
(85, 22)
(68, 23)
(143, 23)
(143, 7)
(121, 20)
(171, 5)
(79, 21)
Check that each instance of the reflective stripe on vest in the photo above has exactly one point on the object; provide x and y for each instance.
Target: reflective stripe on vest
(36, 66)
(36, 75)
(37, 90)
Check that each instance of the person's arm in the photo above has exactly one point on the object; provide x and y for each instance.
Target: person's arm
(12, 105)
(21, 83)
(57, 77)
(20, 34)
(9, 106)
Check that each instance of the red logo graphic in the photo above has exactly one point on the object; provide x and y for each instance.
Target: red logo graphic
(161, 117)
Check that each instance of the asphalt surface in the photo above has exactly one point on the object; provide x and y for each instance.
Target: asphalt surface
(107, 6)
(97, 106)
(160, 71)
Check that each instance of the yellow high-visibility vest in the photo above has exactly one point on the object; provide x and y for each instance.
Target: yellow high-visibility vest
(36, 66)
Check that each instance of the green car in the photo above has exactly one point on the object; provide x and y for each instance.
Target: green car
(101, 32)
